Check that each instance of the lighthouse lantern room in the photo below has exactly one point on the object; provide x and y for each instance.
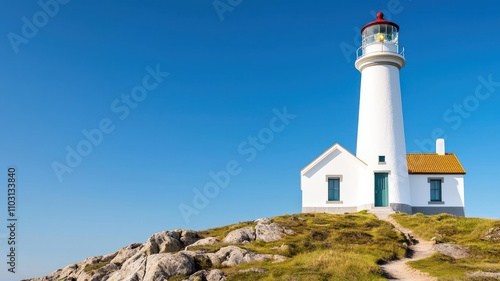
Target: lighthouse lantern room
(380, 35)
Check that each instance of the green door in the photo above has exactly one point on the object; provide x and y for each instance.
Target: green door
(381, 190)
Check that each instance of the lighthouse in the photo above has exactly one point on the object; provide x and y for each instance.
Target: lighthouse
(381, 139)
(381, 177)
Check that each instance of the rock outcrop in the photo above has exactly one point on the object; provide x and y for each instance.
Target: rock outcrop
(167, 253)
(480, 274)
(452, 250)
(240, 236)
(493, 234)
(204, 242)
(167, 265)
(232, 255)
(265, 230)
(212, 275)
(268, 231)
(170, 241)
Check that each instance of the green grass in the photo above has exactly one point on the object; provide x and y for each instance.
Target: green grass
(484, 255)
(178, 278)
(324, 247)
(331, 264)
(94, 266)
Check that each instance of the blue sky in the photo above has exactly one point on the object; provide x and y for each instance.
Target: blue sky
(87, 64)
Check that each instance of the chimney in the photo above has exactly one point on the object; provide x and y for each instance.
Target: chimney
(440, 146)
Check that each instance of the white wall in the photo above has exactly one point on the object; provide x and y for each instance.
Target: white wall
(452, 190)
(314, 183)
(366, 186)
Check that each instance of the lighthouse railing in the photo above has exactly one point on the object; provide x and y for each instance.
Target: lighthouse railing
(384, 48)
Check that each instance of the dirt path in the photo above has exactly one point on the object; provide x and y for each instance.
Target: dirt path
(398, 270)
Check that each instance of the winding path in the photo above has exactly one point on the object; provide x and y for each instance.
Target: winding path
(421, 249)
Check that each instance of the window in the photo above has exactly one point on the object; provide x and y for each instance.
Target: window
(381, 159)
(334, 189)
(436, 190)
(380, 33)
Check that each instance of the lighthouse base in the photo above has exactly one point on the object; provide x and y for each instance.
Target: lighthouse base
(329, 210)
(394, 207)
(457, 211)
(402, 208)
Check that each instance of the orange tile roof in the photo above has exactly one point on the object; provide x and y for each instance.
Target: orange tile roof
(432, 163)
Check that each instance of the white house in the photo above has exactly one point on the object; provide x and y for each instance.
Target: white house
(382, 175)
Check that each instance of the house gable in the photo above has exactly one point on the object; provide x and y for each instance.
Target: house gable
(336, 163)
(327, 156)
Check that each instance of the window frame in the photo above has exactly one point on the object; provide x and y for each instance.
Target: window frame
(381, 159)
(334, 199)
(433, 190)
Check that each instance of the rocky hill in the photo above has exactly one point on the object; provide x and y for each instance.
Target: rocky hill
(167, 254)
(303, 247)
(246, 251)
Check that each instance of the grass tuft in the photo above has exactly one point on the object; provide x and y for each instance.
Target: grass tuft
(94, 266)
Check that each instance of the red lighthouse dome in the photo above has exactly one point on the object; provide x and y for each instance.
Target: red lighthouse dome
(380, 20)
(380, 31)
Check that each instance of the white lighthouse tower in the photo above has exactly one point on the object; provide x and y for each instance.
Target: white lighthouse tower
(381, 140)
